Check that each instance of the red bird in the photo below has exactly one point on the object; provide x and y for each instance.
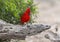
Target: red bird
(26, 16)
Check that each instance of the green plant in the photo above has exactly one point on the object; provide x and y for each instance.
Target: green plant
(11, 10)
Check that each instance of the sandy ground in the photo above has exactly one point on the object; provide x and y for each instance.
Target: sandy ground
(49, 11)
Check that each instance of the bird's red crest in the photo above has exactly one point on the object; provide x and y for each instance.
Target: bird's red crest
(28, 10)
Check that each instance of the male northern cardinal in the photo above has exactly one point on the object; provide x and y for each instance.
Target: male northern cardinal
(26, 16)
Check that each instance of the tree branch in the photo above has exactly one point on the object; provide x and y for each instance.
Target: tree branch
(9, 31)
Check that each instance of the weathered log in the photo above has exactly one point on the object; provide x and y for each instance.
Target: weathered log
(9, 31)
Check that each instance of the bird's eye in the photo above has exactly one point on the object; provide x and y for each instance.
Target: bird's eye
(29, 14)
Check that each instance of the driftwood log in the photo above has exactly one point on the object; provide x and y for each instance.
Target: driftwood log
(9, 31)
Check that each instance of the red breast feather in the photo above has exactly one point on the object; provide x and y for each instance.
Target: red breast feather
(25, 18)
